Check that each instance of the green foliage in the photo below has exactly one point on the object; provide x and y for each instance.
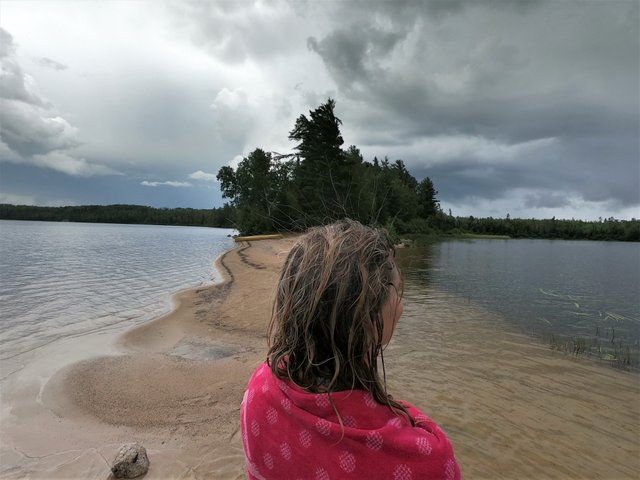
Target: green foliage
(324, 172)
(428, 204)
(261, 191)
(321, 182)
(223, 217)
(415, 225)
(394, 235)
(251, 189)
(615, 352)
(609, 229)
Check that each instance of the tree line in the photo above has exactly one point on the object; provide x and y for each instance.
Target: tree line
(604, 229)
(223, 217)
(322, 182)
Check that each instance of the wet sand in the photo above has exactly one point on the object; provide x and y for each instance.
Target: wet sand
(512, 408)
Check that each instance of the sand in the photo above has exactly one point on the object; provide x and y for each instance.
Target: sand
(512, 408)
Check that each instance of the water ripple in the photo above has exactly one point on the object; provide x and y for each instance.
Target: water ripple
(60, 279)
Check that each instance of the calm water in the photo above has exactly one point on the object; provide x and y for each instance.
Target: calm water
(573, 288)
(61, 279)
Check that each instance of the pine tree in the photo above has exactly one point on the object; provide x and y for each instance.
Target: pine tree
(322, 178)
(427, 199)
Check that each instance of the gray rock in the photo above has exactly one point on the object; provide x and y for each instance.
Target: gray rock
(131, 461)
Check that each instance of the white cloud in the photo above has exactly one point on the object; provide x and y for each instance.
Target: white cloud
(49, 63)
(237, 31)
(236, 115)
(14, 82)
(232, 99)
(28, 124)
(77, 167)
(235, 161)
(145, 183)
(200, 175)
(445, 148)
(29, 129)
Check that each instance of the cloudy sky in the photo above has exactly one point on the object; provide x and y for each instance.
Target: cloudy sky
(530, 108)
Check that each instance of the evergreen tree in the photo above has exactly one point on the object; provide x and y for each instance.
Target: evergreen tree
(322, 176)
(428, 204)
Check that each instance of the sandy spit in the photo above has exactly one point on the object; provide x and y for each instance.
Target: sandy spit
(174, 384)
(513, 409)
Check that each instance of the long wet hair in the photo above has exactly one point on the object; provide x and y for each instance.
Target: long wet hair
(326, 327)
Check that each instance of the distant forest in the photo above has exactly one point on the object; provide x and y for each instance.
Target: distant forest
(322, 182)
(223, 217)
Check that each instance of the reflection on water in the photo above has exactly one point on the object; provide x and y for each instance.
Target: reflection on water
(416, 265)
(561, 290)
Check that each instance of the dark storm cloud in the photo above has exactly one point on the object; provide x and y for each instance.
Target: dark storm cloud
(354, 53)
(605, 174)
(508, 72)
(546, 200)
(460, 179)
(511, 85)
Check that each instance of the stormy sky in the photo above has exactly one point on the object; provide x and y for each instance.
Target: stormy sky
(530, 108)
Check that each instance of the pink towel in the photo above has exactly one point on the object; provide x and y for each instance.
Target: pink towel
(288, 433)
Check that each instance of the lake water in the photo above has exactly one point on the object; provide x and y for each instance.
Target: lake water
(567, 289)
(512, 409)
(69, 279)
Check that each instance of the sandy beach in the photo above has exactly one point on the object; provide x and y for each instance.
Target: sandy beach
(512, 408)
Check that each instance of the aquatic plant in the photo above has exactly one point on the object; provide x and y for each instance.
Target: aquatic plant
(612, 350)
(605, 343)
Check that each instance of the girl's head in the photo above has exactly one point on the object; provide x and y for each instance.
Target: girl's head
(337, 303)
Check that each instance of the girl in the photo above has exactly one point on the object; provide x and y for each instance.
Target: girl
(318, 408)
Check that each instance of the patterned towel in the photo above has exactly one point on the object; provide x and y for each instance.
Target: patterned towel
(288, 433)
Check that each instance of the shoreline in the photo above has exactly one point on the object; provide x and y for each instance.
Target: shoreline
(175, 383)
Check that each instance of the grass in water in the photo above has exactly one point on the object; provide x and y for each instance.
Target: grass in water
(611, 350)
